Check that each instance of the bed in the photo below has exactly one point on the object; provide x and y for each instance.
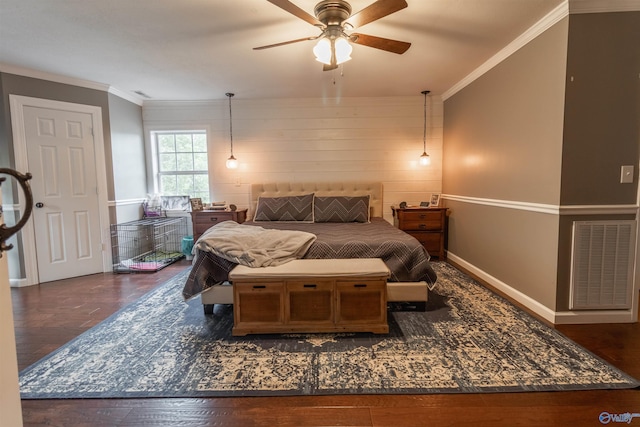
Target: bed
(356, 229)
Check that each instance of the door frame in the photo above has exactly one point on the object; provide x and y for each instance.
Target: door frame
(17, 104)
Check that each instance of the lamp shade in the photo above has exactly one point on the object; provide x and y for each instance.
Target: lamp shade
(343, 50)
(322, 51)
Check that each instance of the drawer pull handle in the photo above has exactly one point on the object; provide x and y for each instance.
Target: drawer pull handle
(259, 286)
(423, 216)
(309, 285)
(359, 285)
(213, 219)
(422, 226)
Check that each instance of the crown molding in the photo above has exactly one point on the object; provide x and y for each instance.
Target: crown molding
(57, 78)
(560, 12)
(134, 99)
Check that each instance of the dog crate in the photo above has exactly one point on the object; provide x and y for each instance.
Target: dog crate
(148, 244)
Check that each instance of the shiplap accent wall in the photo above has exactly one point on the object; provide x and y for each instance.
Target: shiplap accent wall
(347, 139)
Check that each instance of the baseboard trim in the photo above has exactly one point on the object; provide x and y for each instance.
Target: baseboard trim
(19, 283)
(555, 317)
(533, 305)
(593, 317)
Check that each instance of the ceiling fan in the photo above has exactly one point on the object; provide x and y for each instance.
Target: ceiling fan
(334, 19)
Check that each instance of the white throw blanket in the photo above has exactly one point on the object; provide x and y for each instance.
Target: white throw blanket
(254, 246)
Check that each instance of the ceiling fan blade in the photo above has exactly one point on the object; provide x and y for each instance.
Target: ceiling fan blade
(285, 43)
(389, 45)
(375, 11)
(296, 11)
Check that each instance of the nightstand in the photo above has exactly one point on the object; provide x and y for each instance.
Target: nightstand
(428, 225)
(203, 220)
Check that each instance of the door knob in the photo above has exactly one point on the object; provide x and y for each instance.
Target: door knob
(39, 205)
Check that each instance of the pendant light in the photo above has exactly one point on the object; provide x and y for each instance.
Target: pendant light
(232, 162)
(425, 160)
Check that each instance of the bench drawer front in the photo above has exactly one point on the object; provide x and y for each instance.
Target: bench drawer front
(361, 301)
(258, 302)
(310, 301)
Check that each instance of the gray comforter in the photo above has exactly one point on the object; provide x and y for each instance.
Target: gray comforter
(403, 254)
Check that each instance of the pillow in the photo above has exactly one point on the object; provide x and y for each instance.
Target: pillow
(341, 209)
(290, 208)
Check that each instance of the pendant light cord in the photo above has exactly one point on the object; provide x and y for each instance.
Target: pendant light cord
(230, 122)
(424, 135)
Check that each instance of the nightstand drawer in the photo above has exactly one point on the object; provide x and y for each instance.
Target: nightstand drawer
(211, 218)
(422, 220)
(432, 242)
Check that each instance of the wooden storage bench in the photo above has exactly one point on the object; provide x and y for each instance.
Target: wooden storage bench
(311, 295)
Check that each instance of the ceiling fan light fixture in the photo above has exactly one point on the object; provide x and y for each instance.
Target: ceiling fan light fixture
(333, 18)
(326, 47)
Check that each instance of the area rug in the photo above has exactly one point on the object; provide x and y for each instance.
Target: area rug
(468, 341)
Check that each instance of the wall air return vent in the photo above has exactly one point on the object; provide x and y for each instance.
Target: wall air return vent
(602, 265)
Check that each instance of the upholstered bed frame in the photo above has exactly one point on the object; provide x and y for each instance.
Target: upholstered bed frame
(350, 189)
(396, 291)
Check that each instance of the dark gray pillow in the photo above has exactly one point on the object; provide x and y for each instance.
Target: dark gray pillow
(341, 209)
(289, 208)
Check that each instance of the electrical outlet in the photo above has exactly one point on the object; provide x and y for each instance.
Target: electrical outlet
(626, 174)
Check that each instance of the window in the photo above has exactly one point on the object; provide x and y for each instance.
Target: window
(182, 164)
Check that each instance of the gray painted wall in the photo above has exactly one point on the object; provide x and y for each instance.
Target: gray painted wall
(503, 132)
(593, 103)
(602, 114)
(503, 140)
(602, 123)
(128, 157)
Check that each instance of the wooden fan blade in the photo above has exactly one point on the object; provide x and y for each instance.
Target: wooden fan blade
(296, 11)
(285, 43)
(375, 11)
(389, 45)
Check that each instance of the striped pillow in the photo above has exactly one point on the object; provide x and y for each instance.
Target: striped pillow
(289, 208)
(341, 209)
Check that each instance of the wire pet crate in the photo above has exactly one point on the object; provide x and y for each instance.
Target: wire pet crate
(148, 244)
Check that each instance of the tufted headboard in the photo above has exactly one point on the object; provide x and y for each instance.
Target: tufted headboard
(280, 189)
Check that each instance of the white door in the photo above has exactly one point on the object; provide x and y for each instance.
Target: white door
(66, 215)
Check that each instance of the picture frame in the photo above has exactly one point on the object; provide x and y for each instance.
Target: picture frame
(196, 204)
(424, 204)
(435, 200)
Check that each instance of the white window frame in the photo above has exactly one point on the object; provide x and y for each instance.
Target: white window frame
(153, 181)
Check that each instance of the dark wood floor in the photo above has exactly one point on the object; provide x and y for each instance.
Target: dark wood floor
(51, 314)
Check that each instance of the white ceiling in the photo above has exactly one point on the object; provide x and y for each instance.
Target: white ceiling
(200, 49)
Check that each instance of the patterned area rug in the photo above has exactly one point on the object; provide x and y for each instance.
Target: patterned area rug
(468, 341)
